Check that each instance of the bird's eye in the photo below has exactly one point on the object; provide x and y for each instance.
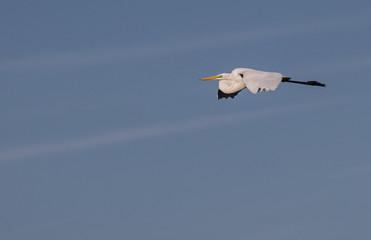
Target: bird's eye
(241, 75)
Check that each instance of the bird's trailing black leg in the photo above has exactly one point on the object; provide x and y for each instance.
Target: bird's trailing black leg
(311, 83)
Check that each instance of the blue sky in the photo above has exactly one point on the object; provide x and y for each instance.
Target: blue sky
(106, 131)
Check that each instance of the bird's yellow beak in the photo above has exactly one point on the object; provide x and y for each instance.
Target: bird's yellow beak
(212, 78)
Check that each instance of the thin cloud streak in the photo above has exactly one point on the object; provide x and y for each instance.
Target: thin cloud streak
(104, 55)
(353, 63)
(153, 131)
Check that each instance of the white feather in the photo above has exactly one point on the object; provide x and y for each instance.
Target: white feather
(257, 81)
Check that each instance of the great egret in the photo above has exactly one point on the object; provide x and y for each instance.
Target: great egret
(230, 84)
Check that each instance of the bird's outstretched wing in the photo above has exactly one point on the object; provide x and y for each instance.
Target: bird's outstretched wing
(257, 81)
(226, 95)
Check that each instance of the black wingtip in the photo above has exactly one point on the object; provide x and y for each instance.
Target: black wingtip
(226, 95)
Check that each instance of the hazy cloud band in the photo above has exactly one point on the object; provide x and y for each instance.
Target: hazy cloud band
(111, 54)
(154, 131)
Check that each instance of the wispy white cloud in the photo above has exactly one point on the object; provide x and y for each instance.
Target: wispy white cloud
(338, 65)
(153, 131)
(122, 53)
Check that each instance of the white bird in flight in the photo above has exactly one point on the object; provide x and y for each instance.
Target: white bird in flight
(230, 84)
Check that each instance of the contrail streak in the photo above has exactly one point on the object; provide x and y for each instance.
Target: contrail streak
(104, 55)
(152, 131)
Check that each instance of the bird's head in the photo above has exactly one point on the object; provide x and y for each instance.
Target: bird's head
(221, 76)
(225, 76)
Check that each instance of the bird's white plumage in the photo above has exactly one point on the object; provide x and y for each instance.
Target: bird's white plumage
(257, 81)
(230, 84)
(254, 80)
